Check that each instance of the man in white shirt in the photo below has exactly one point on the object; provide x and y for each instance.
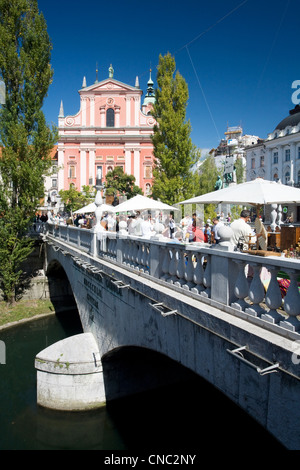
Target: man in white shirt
(241, 229)
(216, 225)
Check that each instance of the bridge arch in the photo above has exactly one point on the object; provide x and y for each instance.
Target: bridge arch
(60, 290)
(144, 386)
(129, 370)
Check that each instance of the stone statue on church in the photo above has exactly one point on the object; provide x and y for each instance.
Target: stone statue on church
(111, 71)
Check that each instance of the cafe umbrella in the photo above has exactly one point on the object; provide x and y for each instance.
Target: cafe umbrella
(255, 192)
(92, 208)
(142, 203)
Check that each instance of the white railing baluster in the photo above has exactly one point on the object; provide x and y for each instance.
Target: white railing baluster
(256, 293)
(273, 298)
(165, 264)
(198, 274)
(241, 288)
(291, 302)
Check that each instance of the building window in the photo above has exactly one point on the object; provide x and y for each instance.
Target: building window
(298, 177)
(54, 183)
(262, 161)
(110, 118)
(252, 163)
(287, 177)
(148, 171)
(299, 152)
(287, 155)
(275, 177)
(275, 157)
(72, 171)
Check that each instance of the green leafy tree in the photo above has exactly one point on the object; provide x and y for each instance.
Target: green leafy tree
(207, 175)
(26, 140)
(119, 183)
(174, 152)
(74, 199)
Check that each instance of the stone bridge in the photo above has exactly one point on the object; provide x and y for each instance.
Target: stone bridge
(188, 303)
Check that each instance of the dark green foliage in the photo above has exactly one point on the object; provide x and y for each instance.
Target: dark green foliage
(119, 183)
(173, 149)
(25, 138)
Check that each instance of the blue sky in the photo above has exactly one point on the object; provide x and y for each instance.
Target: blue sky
(239, 58)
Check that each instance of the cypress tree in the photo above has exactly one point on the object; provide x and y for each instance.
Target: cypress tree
(26, 139)
(174, 152)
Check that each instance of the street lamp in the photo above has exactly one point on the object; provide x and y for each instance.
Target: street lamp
(98, 201)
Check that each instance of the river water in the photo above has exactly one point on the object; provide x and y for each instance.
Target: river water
(192, 416)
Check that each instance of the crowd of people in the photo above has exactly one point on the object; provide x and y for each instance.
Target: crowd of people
(190, 229)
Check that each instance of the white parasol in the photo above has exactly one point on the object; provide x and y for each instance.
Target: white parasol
(141, 203)
(92, 208)
(256, 192)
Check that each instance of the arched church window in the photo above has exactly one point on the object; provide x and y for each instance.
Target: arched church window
(110, 118)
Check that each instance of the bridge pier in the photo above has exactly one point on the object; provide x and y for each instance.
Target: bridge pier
(70, 375)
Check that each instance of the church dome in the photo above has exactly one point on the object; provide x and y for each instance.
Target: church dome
(292, 120)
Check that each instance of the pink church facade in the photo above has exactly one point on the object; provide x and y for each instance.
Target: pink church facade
(112, 128)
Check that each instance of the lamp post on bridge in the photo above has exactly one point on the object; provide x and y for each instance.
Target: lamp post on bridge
(98, 201)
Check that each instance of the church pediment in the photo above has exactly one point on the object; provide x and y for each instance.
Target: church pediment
(109, 85)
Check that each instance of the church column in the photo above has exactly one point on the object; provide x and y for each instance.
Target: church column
(128, 161)
(117, 114)
(83, 110)
(136, 110)
(137, 166)
(92, 111)
(82, 168)
(102, 116)
(61, 171)
(92, 166)
(128, 102)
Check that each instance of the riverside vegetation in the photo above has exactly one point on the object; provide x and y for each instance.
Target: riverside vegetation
(24, 309)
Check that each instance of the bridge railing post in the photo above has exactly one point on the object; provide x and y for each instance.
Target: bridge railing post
(223, 276)
(155, 259)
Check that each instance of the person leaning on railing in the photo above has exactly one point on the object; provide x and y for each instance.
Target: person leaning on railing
(241, 230)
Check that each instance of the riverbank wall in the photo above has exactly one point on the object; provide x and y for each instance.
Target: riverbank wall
(35, 284)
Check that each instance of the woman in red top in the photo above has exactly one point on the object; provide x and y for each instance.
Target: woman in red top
(197, 231)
